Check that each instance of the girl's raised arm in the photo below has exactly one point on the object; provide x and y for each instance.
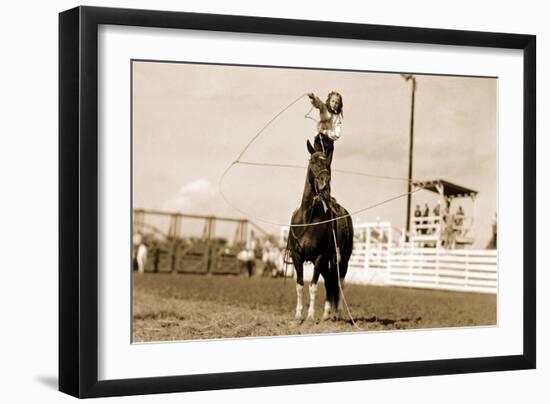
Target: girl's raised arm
(316, 101)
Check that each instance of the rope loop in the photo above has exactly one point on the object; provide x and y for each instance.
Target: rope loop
(262, 220)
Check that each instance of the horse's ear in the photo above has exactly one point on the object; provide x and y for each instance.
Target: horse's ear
(310, 148)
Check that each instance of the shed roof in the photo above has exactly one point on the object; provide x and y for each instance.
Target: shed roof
(450, 190)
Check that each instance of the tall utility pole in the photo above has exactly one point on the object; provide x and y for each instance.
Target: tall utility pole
(410, 77)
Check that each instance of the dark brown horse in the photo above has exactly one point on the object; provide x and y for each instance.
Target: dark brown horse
(315, 243)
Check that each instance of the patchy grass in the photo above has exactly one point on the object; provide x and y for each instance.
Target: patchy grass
(183, 307)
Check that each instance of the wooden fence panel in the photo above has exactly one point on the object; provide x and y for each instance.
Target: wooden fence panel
(225, 262)
(461, 270)
(436, 268)
(192, 260)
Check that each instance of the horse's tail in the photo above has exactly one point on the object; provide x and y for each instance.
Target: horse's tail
(344, 233)
(348, 236)
(286, 256)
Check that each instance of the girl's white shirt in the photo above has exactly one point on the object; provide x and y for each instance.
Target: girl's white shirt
(336, 131)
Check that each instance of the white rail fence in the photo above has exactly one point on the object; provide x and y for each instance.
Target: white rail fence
(437, 268)
(462, 270)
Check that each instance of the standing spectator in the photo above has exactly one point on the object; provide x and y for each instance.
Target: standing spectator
(426, 214)
(426, 210)
(460, 213)
(495, 230)
(448, 235)
(459, 217)
(437, 209)
(416, 222)
(247, 260)
(436, 213)
(493, 241)
(139, 253)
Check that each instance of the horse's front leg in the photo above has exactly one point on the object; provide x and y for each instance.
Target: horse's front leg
(313, 288)
(299, 266)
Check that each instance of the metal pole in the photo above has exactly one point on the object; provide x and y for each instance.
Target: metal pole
(411, 143)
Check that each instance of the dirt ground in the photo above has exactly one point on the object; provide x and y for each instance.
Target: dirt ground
(183, 307)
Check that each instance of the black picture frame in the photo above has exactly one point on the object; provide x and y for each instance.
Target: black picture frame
(78, 200)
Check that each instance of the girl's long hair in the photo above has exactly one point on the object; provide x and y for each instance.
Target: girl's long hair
(340, 110)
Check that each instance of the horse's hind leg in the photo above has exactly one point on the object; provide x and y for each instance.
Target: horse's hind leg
(299, 288)
(331, 286)
(328, 299)
(340, 284)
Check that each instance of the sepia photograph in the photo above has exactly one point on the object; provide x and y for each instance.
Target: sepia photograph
(282, 201)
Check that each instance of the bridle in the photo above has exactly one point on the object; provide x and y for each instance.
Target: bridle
(317, 196)
(317, 193)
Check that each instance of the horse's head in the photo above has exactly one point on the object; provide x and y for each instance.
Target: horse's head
(317, 170)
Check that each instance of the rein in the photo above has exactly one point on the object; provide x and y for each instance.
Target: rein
(316, 198)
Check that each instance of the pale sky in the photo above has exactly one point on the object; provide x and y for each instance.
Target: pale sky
(190, 121)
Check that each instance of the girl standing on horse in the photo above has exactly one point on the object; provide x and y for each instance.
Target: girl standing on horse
(329, 126)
